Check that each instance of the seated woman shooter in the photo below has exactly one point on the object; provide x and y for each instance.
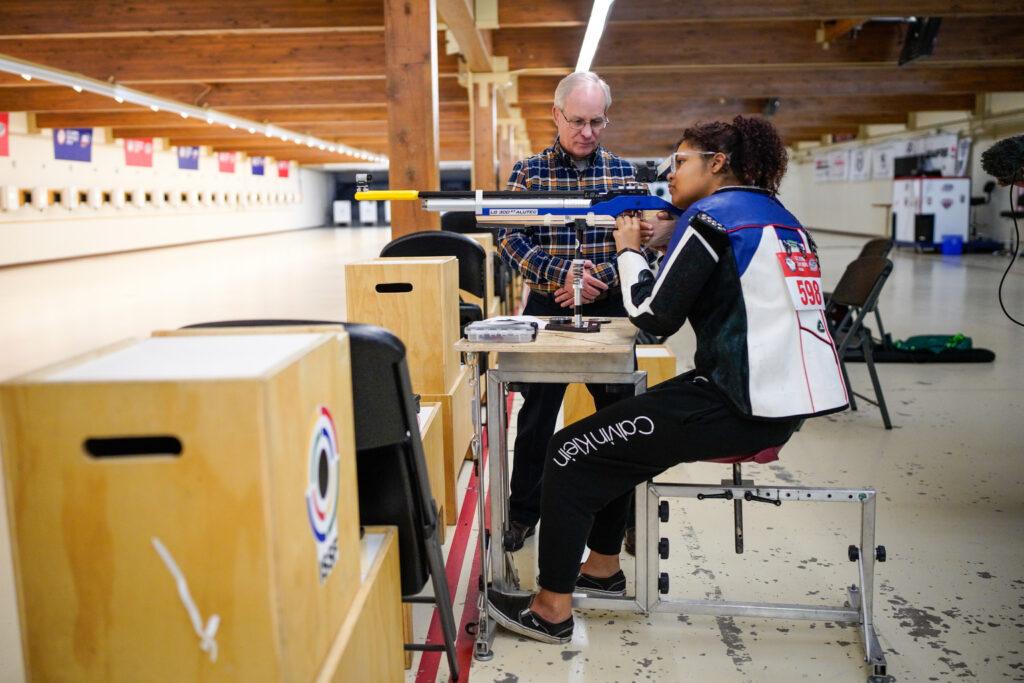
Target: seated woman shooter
(746, 275)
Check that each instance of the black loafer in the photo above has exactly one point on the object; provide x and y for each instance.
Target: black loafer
(612, 587)
(516, 536)
(513, 613)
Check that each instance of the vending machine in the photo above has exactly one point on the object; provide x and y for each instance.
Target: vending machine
(924, 210)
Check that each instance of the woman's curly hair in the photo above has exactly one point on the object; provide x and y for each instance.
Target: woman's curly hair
(756, 154)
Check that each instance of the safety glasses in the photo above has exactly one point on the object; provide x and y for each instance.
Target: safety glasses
(672, 162)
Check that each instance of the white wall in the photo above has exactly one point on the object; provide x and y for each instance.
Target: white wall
(262, 203)
(847, 206)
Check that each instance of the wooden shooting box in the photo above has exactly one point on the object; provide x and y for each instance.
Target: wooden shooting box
(417, 299)
(154, 478)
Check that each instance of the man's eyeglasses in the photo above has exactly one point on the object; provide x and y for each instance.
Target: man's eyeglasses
(579, 124)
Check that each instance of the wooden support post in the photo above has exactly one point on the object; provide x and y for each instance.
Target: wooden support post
(506, 153)
(483, 118)
(410, 41)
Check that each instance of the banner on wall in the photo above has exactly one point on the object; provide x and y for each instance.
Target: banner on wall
(258, 164)
(5, 127)
(821, 168)
(942, 152)
(188, 158)
(72, 144)
(282, 169)
(963, 156)
(138, 152)
(883, 160)
(226, 162)
(860, 165)
(839, 165)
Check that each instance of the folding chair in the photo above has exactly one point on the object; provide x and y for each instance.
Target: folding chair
(393, 484)
(858, 292)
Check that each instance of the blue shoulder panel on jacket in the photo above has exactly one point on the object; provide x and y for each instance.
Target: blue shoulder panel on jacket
(737, 209)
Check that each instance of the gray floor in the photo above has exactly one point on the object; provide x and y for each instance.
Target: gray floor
(951, 597)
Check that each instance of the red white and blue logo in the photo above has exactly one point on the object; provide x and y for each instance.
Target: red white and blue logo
(322, 490)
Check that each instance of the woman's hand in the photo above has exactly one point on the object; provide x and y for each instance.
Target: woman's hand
(627, 233)
(661, 226)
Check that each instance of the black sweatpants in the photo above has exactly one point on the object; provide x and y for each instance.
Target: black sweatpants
(539, 412)
(593, 465)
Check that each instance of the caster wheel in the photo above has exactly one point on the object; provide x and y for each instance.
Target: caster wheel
(663, 548)
(880, 553)
(853, 552)
(663, 583)
(663, 511)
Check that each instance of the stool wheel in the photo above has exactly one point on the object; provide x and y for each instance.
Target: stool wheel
(663, 511)
(663, 548)
(663, 583)
(880, 553)
(853, 552)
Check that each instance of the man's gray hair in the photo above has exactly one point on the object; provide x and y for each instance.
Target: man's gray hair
(580, 79)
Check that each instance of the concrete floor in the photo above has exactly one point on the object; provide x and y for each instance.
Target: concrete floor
(950, 600)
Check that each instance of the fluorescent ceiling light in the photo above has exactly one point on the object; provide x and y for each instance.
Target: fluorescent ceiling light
(595, 27)
(121, 94)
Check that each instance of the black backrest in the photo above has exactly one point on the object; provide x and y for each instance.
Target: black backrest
(880, 246)
(472, 257)
(862, 282)
(392, 471)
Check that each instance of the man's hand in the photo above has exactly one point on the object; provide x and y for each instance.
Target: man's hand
(659, 228)
(627, 233)
(592, 287)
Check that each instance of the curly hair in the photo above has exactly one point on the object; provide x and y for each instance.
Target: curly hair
(756, 154)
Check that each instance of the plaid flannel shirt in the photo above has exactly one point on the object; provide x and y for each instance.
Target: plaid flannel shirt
(545, 256)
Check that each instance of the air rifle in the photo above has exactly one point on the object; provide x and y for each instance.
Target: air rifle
(531, 209)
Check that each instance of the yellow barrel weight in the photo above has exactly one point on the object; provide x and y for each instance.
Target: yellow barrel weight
(386, 195)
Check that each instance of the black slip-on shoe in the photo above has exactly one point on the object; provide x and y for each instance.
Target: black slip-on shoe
(513, 613)
(612, 587)
(516, 536)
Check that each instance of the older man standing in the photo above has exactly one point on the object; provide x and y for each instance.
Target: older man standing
(575, 161)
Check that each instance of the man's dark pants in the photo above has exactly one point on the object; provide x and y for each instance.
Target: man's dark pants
(539, 412)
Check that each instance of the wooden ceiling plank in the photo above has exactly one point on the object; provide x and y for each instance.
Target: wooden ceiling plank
(220, 57)
(539, 13)
(807, 82)
(113, 17)
(975, 40)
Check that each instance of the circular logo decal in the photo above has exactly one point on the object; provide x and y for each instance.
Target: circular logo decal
(322, 490)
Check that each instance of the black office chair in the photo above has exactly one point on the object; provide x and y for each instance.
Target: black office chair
(858, 291)
(393, 484)
(472, 263)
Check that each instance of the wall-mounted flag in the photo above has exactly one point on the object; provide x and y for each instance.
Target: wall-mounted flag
(5, 128)
(282, 169)
(138, 152)
(257, 164)
(188, 158)
(72, 144)
(226, 162)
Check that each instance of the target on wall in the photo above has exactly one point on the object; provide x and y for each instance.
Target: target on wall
(322, 491)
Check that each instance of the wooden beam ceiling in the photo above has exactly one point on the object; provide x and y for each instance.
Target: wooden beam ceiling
(317, 66)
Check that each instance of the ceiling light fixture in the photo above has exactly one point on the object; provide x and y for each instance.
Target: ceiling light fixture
(120, 94)
(595, 27)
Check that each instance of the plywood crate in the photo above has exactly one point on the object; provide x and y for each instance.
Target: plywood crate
(236, 456)
(432, 435)
(369, 646)
(657, 359)
(457, 420)
(417, 299)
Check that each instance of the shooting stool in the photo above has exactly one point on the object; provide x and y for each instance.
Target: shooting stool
(859, 607)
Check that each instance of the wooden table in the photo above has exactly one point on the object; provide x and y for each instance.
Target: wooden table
(605, 357)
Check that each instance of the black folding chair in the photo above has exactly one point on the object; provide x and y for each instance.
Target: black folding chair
(393, 485)
(858, 291)
(464, 222)
(879, 247)
(472, 263)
